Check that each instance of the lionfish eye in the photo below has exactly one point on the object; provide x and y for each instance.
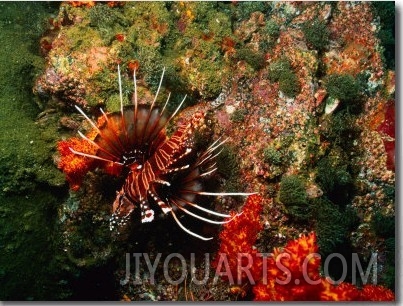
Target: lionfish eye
(133, 156)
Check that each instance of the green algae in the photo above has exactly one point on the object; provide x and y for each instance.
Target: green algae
(28, 244)
(255, 59)
(29, 181)
(272, 156)
(388, 276)
(343, 87)
(279, 154)
(386, 12)
(228, 167)
(330, 233)
(108, 21)
(246, 8)
(81, 38)
(200, 45)
(281, 71)
(239, 115)
(316, 34)
(272, 29)
(293, 196)
(383, 225)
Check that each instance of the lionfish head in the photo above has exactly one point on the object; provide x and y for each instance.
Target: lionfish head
(121, 210)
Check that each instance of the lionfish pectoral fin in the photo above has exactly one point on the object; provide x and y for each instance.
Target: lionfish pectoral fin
(203, 208)
(245, 194)
(187, 230)
(200, 217)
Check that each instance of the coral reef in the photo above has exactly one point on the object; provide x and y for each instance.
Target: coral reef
(291, 273)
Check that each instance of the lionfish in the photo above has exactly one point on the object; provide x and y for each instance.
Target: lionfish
(163, 171)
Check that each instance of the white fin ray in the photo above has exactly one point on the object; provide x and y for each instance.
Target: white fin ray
(204, 209)
(96, 145)
(88, 119)
(199, 217)
(93, 156)
(121, 104)
(187, 230)
(223, 193)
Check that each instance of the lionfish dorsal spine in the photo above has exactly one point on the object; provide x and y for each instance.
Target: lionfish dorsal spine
(115, 143)
(121, 105)
(150, 130)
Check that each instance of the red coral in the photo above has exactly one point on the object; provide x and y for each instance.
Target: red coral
(294, 276)
(238, 237)
(294, 255)
(292, 273)
(133, 65)
(82, 3)
(288, 274)
(341, 292)
(73, 165)
(376, 293)
(349, 292)
(115, 3)
(45, 45)
(120, 37)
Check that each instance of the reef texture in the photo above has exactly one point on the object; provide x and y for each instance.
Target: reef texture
(304, 93)
(300, 257)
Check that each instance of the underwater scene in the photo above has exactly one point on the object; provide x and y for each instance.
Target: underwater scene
(197, 151)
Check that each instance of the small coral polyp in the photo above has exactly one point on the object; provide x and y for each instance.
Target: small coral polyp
(164, 171)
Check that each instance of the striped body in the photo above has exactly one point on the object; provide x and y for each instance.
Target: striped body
(140, 183)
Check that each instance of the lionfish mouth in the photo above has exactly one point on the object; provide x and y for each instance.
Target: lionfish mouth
(162, 171)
